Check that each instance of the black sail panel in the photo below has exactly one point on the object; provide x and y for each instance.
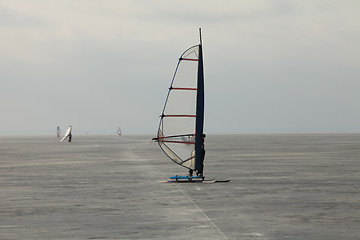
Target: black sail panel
(199, 139)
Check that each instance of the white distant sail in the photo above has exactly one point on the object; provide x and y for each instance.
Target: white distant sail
(67, 134)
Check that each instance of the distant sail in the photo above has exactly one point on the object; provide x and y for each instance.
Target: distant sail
(67, 134)
(119, 131)
(180, 132)
(58, 132)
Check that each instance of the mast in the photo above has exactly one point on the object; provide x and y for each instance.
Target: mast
(199, 127)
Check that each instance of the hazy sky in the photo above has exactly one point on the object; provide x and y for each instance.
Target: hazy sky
(270, 65)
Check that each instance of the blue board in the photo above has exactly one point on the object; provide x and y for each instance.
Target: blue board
(185, 177)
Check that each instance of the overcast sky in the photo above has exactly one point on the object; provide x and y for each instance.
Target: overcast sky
(270, 65)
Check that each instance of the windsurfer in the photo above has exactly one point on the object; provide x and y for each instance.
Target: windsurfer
(58, 131)
(70, 136)
(200, 172)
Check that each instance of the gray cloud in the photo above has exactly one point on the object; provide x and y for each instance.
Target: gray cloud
(269, 66)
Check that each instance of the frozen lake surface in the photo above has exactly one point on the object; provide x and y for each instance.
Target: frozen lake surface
(283, 186)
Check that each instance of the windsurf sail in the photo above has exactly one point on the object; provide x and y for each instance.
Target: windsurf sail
(58, 131)
(180, 133)
(67, 134)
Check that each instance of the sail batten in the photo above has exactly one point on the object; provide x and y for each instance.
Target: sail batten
(183, 142)
(179, 116)
(189, 59)
(190, 89)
